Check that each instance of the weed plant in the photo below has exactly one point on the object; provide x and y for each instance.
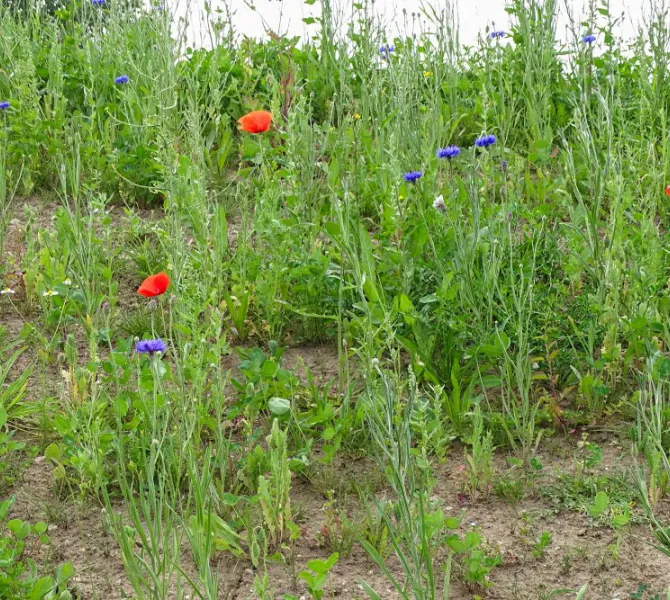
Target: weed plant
(477, 235)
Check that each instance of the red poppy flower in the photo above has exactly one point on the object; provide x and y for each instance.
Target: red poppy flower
(154, 285)
(257, 121)
(667, 190)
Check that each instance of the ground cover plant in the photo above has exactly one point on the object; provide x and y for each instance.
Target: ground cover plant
(353, 316)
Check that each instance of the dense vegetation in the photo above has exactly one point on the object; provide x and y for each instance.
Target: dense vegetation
(477, 236)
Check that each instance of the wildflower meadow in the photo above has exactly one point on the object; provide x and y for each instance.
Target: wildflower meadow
(357, 315)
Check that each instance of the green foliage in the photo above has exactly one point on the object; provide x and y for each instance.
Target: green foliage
(644, 591)
(578, 493)
(510, 294)
(338, 532)
(12, 391)
(316, 574)
(237, 303)
(541, 544)
(274, 490)
(266, 385)
(19, 577)
(419, 530)
(480, 459)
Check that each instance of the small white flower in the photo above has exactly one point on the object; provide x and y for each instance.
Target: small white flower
(7, 291)
(68, 281)
(439, 204)
(50, 293)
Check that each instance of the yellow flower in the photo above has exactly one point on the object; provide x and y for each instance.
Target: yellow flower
(427, 73)
(357, 116)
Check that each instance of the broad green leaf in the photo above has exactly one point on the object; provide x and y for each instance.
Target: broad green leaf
(40, 527)
(229, 499)
(41, 588)
(599, 505)
(279, 406)
(270, 368)
(321, 567)
(328, 434)
(333, 229)
(19, 529)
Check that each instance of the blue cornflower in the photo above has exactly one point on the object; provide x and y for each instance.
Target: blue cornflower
(503, 165)
(121, 79)
(497, 34)
(485, 141)
(448, 152)
(150, 346)
(98, 2)
(4, 105)
(589, 39)
(413, 176)
(386, 49)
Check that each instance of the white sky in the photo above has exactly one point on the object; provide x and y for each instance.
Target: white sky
(286, 16)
